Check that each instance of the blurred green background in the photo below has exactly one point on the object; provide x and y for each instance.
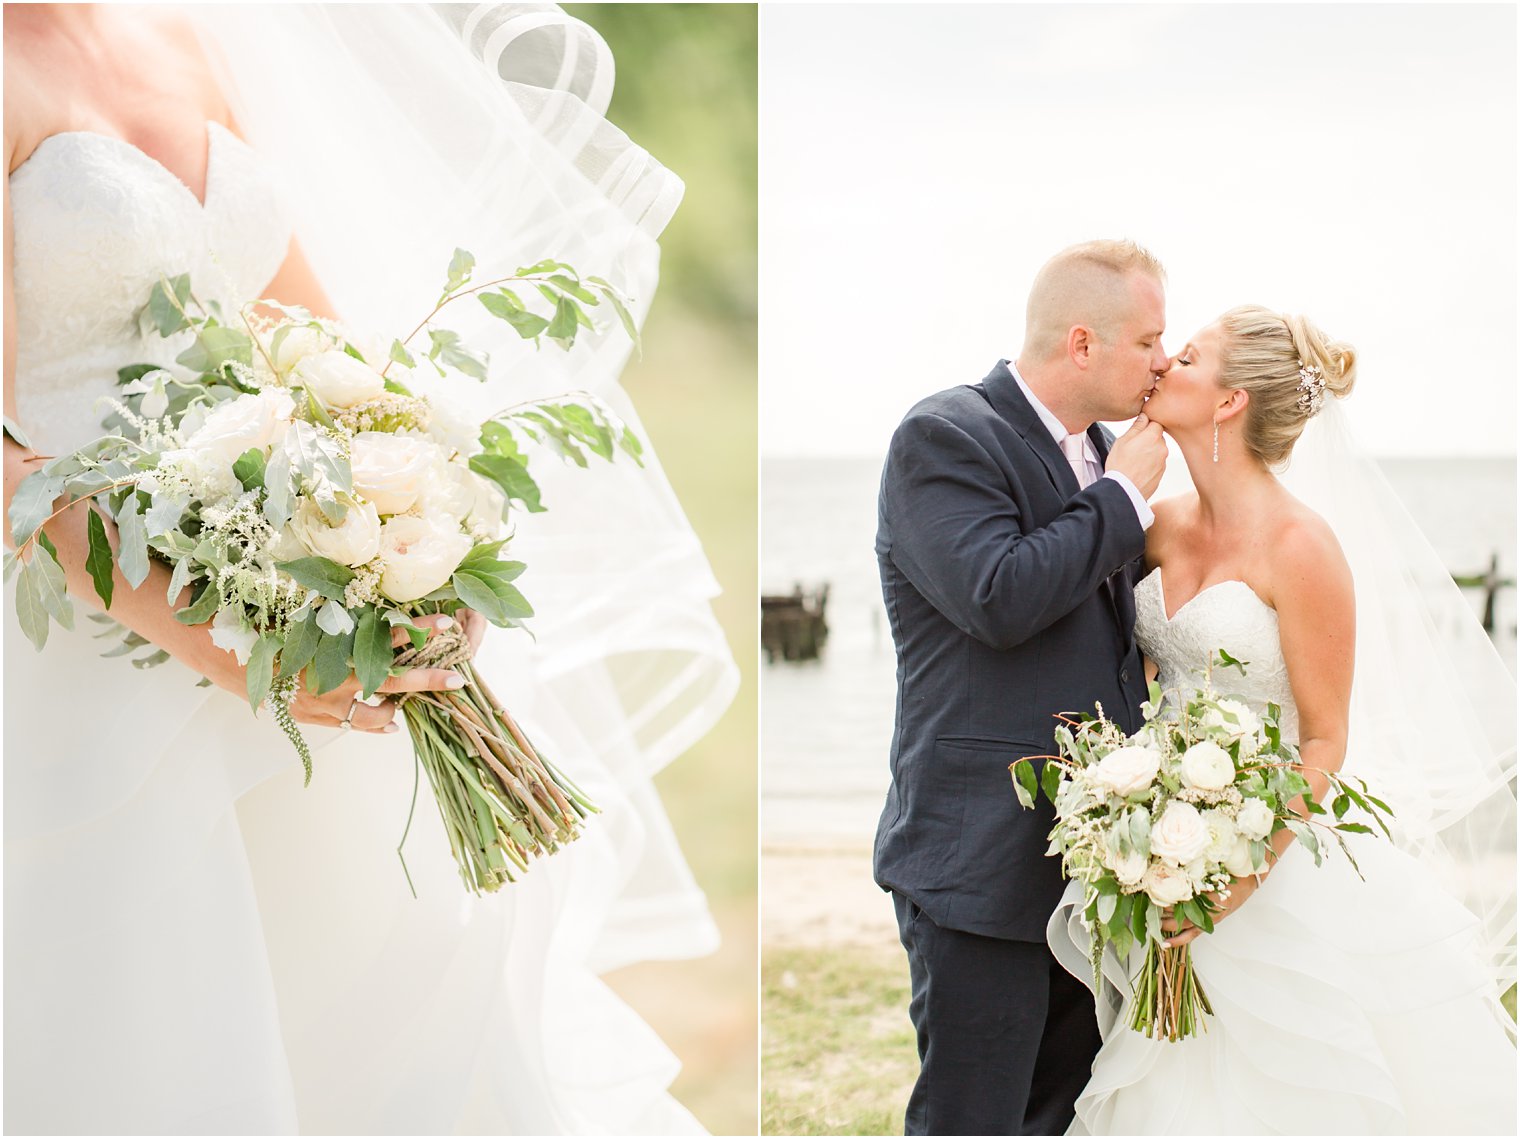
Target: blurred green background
(686, 91)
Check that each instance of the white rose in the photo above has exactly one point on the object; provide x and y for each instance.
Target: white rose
(337, 379)
(419, 555)
(1166, 885)
(391, 470)
(297, 344)
(285, 546)
(1247, 723)
(1127, 770)
(1239, 862)
(228, 632)
(351, 542)
(450, 426)
(1222, 834)
(1179, 835)
(1207, 767)
(1255, 819)
(1129, 868)
(248, 422)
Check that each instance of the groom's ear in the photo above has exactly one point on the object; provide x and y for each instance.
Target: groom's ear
(1079, 344)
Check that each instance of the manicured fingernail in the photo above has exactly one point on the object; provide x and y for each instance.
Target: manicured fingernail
(391, 727)
(454, 682)
(445, 623)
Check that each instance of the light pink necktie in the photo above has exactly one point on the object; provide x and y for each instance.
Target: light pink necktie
(1074, 447)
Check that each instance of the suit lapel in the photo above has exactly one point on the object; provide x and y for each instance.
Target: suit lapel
(1009, 402)
(1120, 593)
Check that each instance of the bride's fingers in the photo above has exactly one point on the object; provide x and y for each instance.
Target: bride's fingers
(1177, 941)
(424, 680)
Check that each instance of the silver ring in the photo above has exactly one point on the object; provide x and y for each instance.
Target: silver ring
(348, 721)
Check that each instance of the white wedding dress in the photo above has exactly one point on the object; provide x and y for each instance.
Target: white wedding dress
(1341, 1006)
(196, 944)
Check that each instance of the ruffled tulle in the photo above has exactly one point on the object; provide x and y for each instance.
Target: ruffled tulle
(1341, 1007)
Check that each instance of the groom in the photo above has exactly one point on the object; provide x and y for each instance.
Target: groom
(1009, 526)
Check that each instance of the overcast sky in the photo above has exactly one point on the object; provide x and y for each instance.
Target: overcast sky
(919, 163)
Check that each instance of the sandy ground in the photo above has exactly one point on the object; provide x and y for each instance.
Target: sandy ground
(822, 897)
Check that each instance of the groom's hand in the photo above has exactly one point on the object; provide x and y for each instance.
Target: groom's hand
(1140, 455)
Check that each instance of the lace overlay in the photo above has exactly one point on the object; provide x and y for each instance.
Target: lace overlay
(1227, 615)
(96, 222)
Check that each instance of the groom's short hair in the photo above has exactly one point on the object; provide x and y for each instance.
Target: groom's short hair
(1084, 284)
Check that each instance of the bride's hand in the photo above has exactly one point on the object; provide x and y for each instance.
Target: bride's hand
(1240, 890)
(329, 709)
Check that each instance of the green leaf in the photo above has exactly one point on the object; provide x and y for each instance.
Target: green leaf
(132, 542)
(563, 327)
(330, 663)
(497, 601)
(1107, 905)
(132, 372)
(574, 288)
(334, 620)
(213, 347)
(260, 669)
(456, 354)
(321, 574)
(546, 266)
(1137, 915)
(513, 478)
(203, 608)
(401, 356)
(372, 651)
(33, 502)
(1340, 805)
(249, 469)
(1024, 782)
(300, 644)
(461, 265)
(1050, 779)
(1228, 661)
(277, 505)
(504, 305)
(40, 595)
(15, 432)
(100, 562)
(1354, 828)
(165, 513)
(1305, 834)
(165, 310)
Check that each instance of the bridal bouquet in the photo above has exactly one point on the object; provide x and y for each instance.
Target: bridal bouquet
(313, 503)
(1165, 818)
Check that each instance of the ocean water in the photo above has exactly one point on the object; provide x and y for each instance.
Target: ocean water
(826, 726)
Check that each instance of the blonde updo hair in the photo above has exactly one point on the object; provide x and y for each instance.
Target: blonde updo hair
(1261, 354)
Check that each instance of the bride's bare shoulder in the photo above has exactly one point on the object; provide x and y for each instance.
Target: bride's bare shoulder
(1306, 555)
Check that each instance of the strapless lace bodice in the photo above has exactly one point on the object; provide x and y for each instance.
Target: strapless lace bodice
(96, 221)
(1227, 615)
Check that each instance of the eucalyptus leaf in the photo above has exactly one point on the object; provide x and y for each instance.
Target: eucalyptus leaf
(574, 288)
(184, 569)
(215, 346)
(260, 669)
(335, 620)
(203, 608)
(512, 477)
(453, 352)
(152, 660)
(546, 266)
(563, 327)
(15, 432)
(249, 468)
(325, 576)
(330, 663)
(1024, 782)
(33, 503)
(165, 513)
(300, 645)
(1050, 780)
(372, 651)
(132, 542)
(100, 561)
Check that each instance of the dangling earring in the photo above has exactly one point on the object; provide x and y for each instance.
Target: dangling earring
(1216, 440)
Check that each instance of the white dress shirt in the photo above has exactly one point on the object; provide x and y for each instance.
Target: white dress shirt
(1095, 469)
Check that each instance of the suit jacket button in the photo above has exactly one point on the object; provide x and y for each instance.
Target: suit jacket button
(1124, 675)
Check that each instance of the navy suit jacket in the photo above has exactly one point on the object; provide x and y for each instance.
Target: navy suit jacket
(1010, 596)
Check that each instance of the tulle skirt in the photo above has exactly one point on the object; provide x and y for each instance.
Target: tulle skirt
(195, 943)
(1341, 1007)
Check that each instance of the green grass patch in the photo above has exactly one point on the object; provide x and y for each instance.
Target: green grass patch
(837, 1049)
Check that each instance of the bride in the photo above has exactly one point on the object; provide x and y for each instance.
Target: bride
(1341, 1006)
(193, 942)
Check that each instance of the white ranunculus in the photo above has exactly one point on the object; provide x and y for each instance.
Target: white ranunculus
(1255, 819)
(1247, 722)
(1126, 770)
(297, 344)
(245, 423)
(1239, 862)
(351, 542)
(337, 379)
(1207, 767)
(419, 555)
(391, 470)
(1166, 885)
(1179, 835)
(1129, 868)
(228, 632)
(1222, 834)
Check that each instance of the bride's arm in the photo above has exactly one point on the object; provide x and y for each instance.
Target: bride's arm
(145, 610)
(1311, 589)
